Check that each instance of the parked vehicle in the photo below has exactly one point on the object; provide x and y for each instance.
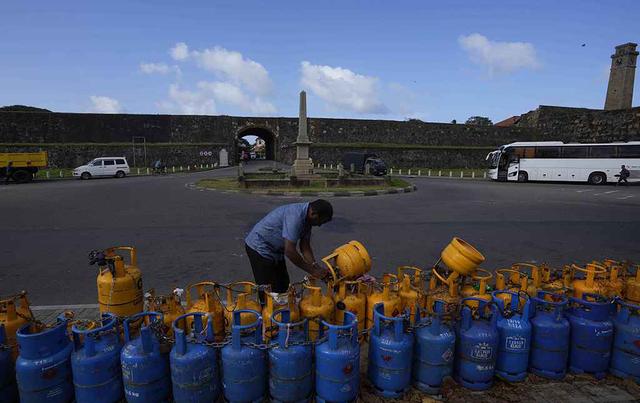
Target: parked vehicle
(360, 160)
(103, 166)
(22, 166)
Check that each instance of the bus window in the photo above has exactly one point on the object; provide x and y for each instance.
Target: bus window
(547, 152)
(521, 152)
(628, 151)
(575, 152)
(602, 151)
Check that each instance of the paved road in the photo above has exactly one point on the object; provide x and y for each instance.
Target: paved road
(186, 235)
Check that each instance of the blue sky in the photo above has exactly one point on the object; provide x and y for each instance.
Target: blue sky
(433, 60)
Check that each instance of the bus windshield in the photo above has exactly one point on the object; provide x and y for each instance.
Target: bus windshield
(493, 158)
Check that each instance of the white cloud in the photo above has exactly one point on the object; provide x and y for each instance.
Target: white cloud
(101, 104)
(188, 102)
(342, 88)
(234, 67)
(207, 96)
(499, 57)
(227, 93)
(158, 68)
(180, 51)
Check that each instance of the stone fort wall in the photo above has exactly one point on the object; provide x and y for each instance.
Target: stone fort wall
(74, 138)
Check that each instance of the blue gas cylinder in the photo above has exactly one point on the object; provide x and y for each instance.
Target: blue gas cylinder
(550, 336)
(8, 387)
(591, 334)
(338, 362)
(290, 364)
(244, 367)
(434, 349)
(145, 361)
(95, 362)
(43, 368)
(625, 358)
(514, 335)
(194, 365)
(390, 354)
(477, 345)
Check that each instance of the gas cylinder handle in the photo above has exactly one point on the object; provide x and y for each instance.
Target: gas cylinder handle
(237, 327)
(559, 300)
(108, 321)
(133, 258)
(190, 287)
(152, 316)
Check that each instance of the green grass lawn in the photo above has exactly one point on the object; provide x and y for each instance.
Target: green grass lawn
(232, 184)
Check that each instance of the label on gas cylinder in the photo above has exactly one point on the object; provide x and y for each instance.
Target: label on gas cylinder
(481, 351)
(515, 343)
(447, 355)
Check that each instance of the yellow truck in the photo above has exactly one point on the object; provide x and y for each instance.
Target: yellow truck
(21, 166)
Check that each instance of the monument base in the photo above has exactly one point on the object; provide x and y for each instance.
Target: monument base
(303, 168)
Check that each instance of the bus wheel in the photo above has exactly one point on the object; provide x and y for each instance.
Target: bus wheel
(597, 178)
(523, 176)
(22, 176)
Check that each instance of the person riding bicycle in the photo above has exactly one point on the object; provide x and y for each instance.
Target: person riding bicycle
(157, 167)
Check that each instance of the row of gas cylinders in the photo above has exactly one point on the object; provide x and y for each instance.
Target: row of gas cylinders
(507, 337)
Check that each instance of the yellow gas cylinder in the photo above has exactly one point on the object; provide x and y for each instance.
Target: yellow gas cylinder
(387, 293)
(533, 274)
(588, 284)
(352, 298)
(14, 313)
(207, 299)
(348, 262)
(119, 284)
(460, 258)
(613, 284)
(314, 305)
(440, 290)
(477, 285)
(510, 280)
(241, 295)
(632, 288)
(169, 305)
(412, 288)
(275, 301)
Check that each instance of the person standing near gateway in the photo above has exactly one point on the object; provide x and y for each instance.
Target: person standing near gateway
(278, 235)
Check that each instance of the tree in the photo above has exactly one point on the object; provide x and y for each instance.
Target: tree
(479, 121)
(22, 108)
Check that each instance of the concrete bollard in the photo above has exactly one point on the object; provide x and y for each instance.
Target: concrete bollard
(450, 174)
(473, 174)
(429, 173)
(391, 171)
(399, 171)
(324, 166)
(180, 168)
(461, 174)
(331, 166)
(200, 166)
(60, 173)
(419, 173)
(485, 175)
(409, 171)
(48, 177)
(138, 171)
(439, 173)
(188, 167)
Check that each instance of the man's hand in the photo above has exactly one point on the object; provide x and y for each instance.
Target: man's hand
(319, 271)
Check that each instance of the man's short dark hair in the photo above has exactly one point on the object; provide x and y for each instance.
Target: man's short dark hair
(323, 208)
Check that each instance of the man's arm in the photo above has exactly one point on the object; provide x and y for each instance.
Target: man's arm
(291, 252)
(305, 248)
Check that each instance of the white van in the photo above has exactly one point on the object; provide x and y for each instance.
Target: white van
(103, 166)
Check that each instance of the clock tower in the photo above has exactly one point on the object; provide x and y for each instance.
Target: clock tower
(623, 71)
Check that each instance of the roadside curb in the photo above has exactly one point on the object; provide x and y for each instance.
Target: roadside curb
(355, 193)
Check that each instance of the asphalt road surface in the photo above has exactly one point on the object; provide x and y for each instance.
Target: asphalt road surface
(184, 235)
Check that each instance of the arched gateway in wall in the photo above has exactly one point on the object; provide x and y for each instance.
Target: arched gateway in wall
(267, 135)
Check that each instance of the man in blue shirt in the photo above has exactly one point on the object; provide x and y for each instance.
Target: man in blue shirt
(278, 234)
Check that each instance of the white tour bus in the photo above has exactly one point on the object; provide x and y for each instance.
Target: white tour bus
(596, 163)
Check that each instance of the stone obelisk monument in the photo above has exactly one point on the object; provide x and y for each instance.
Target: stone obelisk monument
(302, 166)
